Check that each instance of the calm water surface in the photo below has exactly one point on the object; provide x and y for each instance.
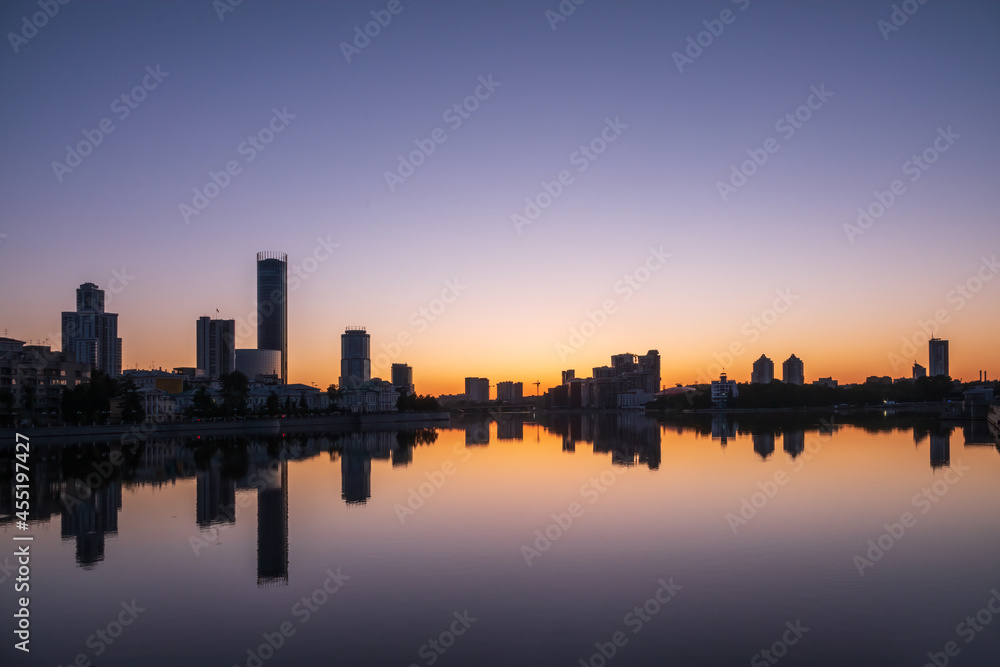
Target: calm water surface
(545, 540)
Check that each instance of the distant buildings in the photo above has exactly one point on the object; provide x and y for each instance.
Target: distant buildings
(355, 357)
(402, 378)
(919, 371)
(938, 352)
(763, 371)
(272, 306)
(723, 390)
(216, 345)
(793, 371)
(629, 382)
(477, 390)
(35, 376)
(510, 392)
(90, 335)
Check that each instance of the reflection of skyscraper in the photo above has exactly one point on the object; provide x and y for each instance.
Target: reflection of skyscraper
(89, 515)
(763, 444)
(272, 305)
(216, 496)
(355, 476)
(477, 430)
(938, 351)
(355, 357)
(216, 346)
(940, 448)
(272, 525)
(90, 335)
(794, 441)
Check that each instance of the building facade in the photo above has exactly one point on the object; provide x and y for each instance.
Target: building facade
(35, 376)
(510, 392)
(938, 351)
(272, 306)
(216, 345)
(355, 357)
(477, 390)
(90, 335)
(793, 371)
(763, 371)
(259, 365)
(402, 378)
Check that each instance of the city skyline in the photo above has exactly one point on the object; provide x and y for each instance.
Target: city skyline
(831, 209)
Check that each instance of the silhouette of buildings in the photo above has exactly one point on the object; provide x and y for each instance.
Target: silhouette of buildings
(919, 371)
(36, 377)
(763, 371)
(938, 352)
(763, 444)
(402, 378)
(794, 441)
(355, 361)
(88, 516)
(90, 335)
(629, 382)
(940, 447)
(793, 371)
(477, 390)
(510, 392)
(723, 390)
(216, 346)
(272, 306)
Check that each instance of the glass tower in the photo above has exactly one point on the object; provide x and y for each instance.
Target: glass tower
(272, 305)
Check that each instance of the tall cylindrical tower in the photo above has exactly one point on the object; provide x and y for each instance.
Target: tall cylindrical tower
(272, 305)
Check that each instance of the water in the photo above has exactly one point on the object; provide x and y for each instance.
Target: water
(523, 542)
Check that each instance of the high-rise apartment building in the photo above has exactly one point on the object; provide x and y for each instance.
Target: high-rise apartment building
(477, 390)
(355, 358)
(938, 350)
(793, 371)
(763, 371)
(510, 392)
(216, 346)
(402, 378)
(90, 335)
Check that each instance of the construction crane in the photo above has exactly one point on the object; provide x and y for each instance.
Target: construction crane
(537, 384)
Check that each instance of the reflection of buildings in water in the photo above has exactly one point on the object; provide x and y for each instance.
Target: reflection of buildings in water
(629, 437)
(355, 476)
(477, 430)
(272, 524)
(723, 429)
(794, 441)
(215, 495)
(940, 448)
(402, 456)
(977, 433)
(568, 442)
(920, 434)
(90, 515)
(510, 427)
(763, 444)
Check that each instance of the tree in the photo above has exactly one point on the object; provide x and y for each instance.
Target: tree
(133, 410)
(202, 404)
(273, 404)
(235, 390)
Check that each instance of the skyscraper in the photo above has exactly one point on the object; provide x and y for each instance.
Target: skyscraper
(402, 377)
(355, 357)
(793, 371)
(763, 371)
(938, 351)
(216, 346)
(272, 305)
(477, 390)
(90, 335)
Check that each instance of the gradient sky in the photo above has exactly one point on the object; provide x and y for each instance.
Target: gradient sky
(323, 176)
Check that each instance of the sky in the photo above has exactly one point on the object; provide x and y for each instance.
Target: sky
(510, 189)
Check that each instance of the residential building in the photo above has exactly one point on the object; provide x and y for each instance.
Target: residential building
(90, 335)
(402, 378)
(793, 371)
(477, 390)
(216, 346)
(510, 392)
(938, 352)
(35, 376)
(919, 371)
(763, 371)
